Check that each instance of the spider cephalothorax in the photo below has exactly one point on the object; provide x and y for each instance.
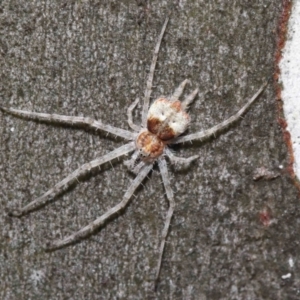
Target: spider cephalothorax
(162, 124)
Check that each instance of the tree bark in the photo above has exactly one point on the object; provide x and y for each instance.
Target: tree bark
(231, 237)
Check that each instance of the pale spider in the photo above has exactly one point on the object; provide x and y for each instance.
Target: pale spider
(162, 124)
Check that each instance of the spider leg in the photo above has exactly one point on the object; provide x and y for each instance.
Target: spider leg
(42, 200)
(129, 115)
(185, 161)
(166, 180)
(151, 75)
(90, 228)
(175, 96)
(212, 131)
(71, 121)
(138, 167)
(189, 99)
(130, 163)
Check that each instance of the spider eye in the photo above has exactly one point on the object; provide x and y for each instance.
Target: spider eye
(143, 154)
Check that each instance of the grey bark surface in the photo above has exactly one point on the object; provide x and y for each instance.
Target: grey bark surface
(91, 58)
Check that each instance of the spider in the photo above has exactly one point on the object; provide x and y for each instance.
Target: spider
(162, 125)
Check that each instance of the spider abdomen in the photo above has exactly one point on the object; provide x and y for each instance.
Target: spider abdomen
(166, 119)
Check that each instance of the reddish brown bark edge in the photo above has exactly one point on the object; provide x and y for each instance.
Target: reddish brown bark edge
(281, 40)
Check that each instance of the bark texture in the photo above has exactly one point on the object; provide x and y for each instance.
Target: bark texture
(91, 58)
